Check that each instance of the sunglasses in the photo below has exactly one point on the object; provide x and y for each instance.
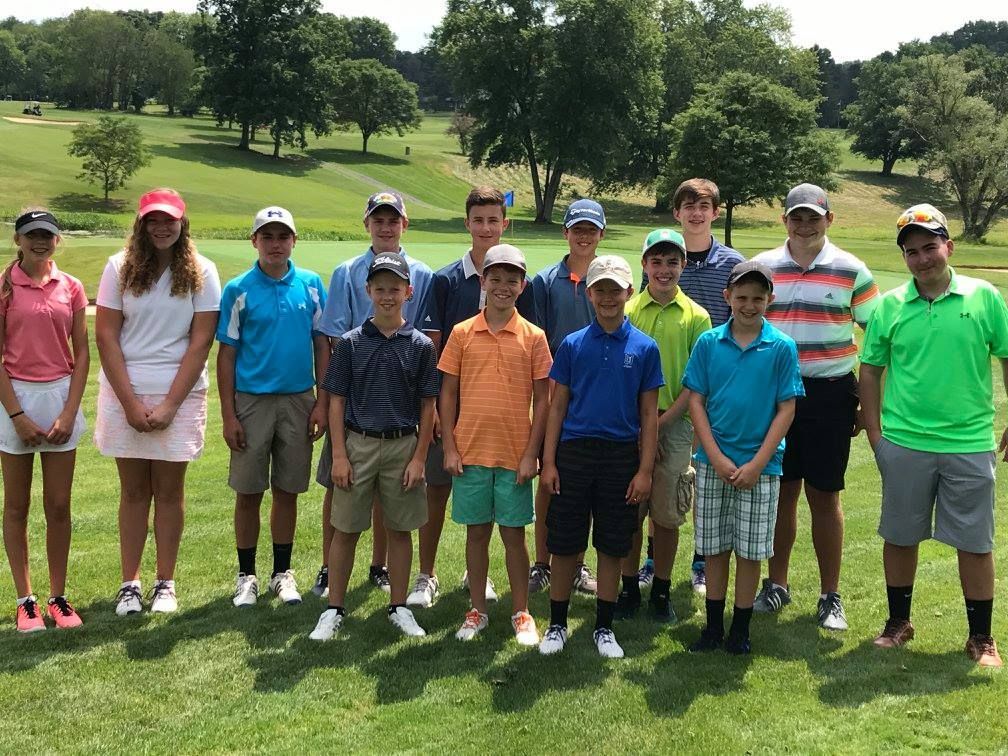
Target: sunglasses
(919, 216)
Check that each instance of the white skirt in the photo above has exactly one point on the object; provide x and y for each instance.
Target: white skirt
(182, 441)
(42, 402)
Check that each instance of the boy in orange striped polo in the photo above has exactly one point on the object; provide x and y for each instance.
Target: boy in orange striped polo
(495, 366)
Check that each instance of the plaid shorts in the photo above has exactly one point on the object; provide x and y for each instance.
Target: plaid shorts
(728, 519)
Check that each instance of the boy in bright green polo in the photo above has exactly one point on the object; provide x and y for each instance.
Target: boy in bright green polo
(933, 434)
(664, 312)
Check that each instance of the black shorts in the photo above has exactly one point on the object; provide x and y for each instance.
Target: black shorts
(594, 477)
(818, 443)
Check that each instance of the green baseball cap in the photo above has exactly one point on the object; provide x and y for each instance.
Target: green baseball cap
(664, 236)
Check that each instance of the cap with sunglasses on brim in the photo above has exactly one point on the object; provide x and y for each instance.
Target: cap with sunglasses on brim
(385, 198)
(36, 220)
(807, 196)
(161, 201)
(753, 269)
(391, 262)
(923, 216)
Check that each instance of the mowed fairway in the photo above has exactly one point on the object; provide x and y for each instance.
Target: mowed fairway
(213, 678)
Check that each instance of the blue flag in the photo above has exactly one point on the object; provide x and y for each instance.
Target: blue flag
(509, 198)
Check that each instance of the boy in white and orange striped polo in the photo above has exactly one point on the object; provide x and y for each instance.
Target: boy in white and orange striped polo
(494, 367)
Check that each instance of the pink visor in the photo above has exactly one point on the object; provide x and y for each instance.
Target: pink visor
(165, 202)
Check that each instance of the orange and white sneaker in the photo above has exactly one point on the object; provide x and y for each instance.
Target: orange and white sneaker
(29, 618)
(475, 623)
(525, 629)
(62, 613)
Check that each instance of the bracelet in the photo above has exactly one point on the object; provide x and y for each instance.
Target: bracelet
(20, 412)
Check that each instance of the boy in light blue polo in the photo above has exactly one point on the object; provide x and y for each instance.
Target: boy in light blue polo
(271, 355)
(744, 377)
(347, 307)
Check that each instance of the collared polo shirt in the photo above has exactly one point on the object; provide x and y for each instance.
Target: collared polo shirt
(938, 394)
(38, 323)
(675, 327)
(704, 282)
(496, 372)
(271, 322)
(743, 387)
(606, 374)
(349, 305)
(457, 295)
(818, 306)
(383, 378)
(561, 303)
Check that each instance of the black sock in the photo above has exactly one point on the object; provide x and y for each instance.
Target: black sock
(899, 601)
(650, 547)
(630, 585)
(698, 560)
(740, 622)
(282, 557)
(339, 610)
(558, 612)
(715, 618)
(246, 561)
(393, 607)
(978, 614)
(604, 611)
(660, 587)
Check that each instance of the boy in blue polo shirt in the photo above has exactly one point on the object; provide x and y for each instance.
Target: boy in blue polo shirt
(271, 353)
(347, 307)
(600, 446)
(562, 306)
(744, 378)
(382, 382)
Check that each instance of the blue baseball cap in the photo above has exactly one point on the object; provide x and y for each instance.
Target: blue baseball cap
(584, 210)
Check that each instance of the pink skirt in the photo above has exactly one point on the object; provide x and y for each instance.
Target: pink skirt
(182, 441)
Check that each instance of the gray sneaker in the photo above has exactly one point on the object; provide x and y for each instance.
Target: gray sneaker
(771, 599)
(539, 577)
(830, 613)
(584, 581)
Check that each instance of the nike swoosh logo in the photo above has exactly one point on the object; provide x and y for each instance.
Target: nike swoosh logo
(761, 349)
(37, 215)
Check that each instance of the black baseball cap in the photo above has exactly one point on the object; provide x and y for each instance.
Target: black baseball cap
(35, 220)
(751, 268)
(390, 261)
(385, 198)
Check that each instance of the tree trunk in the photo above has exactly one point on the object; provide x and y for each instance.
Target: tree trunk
(276, 146)
(887, 165)
(550, 195)
(662, 203)
(366, 136)
(534, 173)
(243, 143)
(729, 209)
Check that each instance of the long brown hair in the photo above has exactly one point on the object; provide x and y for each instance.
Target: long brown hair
(139, 267)
(7, 283)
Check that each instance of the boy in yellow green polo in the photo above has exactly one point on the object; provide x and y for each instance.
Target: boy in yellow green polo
(932, 429)
(664, 312)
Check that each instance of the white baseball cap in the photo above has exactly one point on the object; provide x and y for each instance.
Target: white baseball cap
(612, 268)
(273, 214)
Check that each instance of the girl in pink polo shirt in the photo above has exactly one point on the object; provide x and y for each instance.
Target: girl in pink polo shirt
(45, 358)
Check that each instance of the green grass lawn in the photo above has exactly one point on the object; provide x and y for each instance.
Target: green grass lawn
(214, 678)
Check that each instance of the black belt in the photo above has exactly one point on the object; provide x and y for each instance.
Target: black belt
(409, 430)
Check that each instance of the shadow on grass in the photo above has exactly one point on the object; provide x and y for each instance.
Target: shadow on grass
(222, 156)
(81, 202)
(903, 190)
(353, 157)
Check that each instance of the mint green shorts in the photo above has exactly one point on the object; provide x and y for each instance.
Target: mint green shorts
(490, 494)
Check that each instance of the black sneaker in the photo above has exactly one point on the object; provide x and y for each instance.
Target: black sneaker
(539, 577)
(737, 645)
(707, 642)
(661, 610)
(627, 605)
(378, 575)
(321, 587)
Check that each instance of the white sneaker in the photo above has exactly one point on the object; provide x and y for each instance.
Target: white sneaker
(404, 620)
(246, 590)
(475, 621)
(285, 587)
(554, 640)
(525, 629)
(328, 625)
(163, 597)
(425, 591)
(491, 591)
(129, 600)
(606, 644)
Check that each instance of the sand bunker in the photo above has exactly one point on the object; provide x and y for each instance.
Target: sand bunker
(41, 120)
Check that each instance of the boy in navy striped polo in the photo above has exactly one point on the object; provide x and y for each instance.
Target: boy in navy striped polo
(383, 383)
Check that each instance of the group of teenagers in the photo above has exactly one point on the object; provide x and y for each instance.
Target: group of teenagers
(723, 386)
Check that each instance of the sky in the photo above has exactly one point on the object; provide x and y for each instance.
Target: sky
(852, 30)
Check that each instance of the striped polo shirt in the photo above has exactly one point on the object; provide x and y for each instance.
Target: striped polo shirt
(495, 372)
(383, 378)
(561, 303)
(818, 306)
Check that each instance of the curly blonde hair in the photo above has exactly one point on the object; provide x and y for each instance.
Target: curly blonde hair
(139, 267)
(6, 282)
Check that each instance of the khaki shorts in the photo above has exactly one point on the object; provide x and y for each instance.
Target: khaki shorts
(278, 448)
(673, 484)
(378, 465)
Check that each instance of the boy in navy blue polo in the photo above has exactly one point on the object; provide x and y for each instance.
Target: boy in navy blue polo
(562, 306)
(383, 383)
(599, 452)
(744, 378)
(271, 353)
(457, 295)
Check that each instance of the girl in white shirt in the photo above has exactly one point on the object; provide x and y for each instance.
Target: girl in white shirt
(158, 302)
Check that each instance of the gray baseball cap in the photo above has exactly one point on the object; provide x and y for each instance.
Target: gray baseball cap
(505, 254)
(807, 195)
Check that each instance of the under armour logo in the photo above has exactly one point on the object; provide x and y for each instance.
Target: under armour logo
(964, 315)
(274, 213)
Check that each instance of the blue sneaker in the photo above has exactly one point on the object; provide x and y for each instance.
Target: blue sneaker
(645, 575)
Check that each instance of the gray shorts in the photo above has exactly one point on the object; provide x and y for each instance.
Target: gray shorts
(278, 448)
(435, 473)
(673, 483)
(956, 491)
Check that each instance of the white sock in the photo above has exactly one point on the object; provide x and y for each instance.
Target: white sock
(130, 584)
(23, 599)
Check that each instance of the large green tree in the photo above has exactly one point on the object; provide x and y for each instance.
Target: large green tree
(170, 69)
(12, 64)
(874, 121)
(112, 150)
(375, 99)
(754, 138)
(370, 39)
